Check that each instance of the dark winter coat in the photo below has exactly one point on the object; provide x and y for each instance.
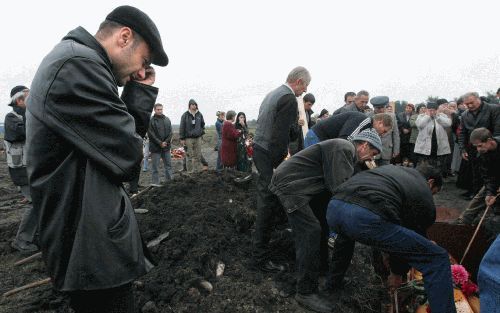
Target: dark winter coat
(342, 125)
(404, 123)
(488, 116)
(15, 145)
(321, 167)
(228, 148)
(190, 129)
(84, 141)
(400, 195)
(296, 135)
(489, 164)
(15, 126)
(159, 130)
(347, 108)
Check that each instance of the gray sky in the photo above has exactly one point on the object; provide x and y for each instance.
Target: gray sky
(229, 54)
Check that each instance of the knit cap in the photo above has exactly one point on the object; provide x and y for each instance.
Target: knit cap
(370, 136)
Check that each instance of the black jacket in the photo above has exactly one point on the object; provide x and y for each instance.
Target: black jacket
(159, 130)
(398, 194)
(83, 142)
(296, 136)
(323, 166)
(15, 128)
(489, 164)
(188, 129)
(15, 134)
(488, 117)
(341, 125)
(403, 124)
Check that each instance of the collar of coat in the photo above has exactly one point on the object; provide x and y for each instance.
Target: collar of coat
(82, 36)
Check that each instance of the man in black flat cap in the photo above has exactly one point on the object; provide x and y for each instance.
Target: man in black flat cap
(84, 141)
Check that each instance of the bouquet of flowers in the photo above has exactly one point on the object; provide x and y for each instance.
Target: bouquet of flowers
(461, 280)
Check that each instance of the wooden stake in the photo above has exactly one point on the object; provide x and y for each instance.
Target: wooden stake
(474, 235)
(28, 259)
(28, 286)
(142, 191)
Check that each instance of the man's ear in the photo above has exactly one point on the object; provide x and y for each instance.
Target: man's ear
(125, 36)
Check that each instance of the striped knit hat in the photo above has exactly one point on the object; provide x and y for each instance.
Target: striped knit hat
(370, 136)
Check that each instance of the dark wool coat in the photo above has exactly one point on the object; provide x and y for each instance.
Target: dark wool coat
(228, 149)
(84, 141)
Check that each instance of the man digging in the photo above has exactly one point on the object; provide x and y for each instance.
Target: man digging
(319, 168)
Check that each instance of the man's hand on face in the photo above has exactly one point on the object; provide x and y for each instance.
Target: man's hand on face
(149, 77)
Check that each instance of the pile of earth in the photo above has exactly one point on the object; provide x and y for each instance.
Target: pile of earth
(209, 220)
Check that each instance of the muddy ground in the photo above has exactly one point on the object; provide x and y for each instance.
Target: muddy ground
(209, 220)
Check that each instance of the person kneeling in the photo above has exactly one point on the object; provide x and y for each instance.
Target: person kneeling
(390, 208)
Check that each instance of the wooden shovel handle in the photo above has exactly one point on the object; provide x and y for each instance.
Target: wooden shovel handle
(28, 286)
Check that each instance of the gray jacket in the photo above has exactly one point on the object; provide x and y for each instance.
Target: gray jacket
(390, 141)
(322, 166)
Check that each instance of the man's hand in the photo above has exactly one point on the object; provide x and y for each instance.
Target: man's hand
(465, 156)
(149, 76)
(406, 130)
(490, 200)
(301, 122)
(163, 144)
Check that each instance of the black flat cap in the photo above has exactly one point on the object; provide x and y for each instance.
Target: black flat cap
(432, 105)
(380, 101)
(141, 23)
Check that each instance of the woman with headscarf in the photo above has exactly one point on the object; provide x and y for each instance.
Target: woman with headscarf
(243, 164)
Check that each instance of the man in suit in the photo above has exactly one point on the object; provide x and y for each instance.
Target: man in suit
(277, 114)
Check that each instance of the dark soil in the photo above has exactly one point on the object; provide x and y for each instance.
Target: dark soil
(209, 220)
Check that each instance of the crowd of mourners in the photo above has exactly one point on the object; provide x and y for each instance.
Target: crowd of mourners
(361, 174)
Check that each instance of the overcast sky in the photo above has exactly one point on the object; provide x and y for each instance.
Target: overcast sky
(229, 54)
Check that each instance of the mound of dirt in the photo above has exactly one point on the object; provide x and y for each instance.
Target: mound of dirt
(209, 221)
